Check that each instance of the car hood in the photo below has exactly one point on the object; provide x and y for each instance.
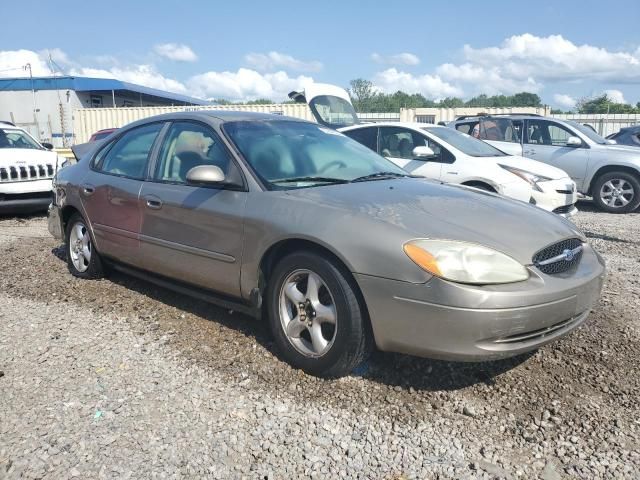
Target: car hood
(533, 166)
(420, 208)
(22, 157)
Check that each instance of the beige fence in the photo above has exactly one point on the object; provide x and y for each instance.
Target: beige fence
(87, 121)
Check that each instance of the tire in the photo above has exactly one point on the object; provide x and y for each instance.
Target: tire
(300, 322)
(79, 246)
(617, 192)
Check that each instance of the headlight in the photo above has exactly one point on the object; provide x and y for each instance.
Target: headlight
(531, 178)
(464, 262)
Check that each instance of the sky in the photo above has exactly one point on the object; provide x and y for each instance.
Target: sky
(242, 50)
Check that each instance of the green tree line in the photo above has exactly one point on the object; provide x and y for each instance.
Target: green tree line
(366, 98)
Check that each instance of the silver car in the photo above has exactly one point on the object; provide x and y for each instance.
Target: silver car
(607, 172)
(334, 245)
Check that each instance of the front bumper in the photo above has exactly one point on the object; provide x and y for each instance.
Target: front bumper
(449, 321)
(55, 225)
(558, 196)
(24, 203)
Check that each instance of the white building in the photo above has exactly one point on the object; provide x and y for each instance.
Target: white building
(45, 106)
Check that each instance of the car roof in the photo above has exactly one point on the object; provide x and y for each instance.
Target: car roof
(415, 125)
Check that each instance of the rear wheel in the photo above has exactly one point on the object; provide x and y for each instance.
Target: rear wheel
(83, 260)
(617, 192)
(315, 316)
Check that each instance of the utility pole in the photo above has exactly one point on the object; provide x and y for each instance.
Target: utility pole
(33, 92)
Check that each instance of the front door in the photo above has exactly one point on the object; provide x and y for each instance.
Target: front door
(193, 233)
(546, 141)
(397, 144)
(110, 192)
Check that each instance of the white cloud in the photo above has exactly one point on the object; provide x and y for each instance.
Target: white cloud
(274, 60)
(554, 58)
(397, 59)
(479, 79)
(564, 101)
(615, 96)
(13, 62)
(246, 84)
(176, 52)
(431, 86)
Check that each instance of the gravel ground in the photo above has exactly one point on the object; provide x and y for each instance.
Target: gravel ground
(120, 379)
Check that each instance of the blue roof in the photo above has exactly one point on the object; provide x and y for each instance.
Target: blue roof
(88, 84)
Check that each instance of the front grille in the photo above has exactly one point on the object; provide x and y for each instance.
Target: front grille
(559, 257)
(564, 209)
(25, 173)
(565, 192)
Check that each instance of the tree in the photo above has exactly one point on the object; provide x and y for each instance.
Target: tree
(525, 99)
(604, 104)
(361, 92)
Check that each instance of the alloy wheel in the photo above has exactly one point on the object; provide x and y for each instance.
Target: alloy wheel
(308, 313)
(617, 193)
(80, 247)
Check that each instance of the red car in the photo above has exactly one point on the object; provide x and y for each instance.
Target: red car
(102, 134)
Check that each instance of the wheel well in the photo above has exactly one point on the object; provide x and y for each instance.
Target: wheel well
(285, 247)
(478, 184)
(66, 214)
(612, 168)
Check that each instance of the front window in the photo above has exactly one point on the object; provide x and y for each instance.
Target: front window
(12, 138)
(593, 136)
(496, 129)
(334, 112)
(288, 154)
(466, 144)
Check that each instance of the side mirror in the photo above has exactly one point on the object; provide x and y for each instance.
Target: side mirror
(48, 146)
(205, 175)
(611, 142)
(423, 153)
(574, 142)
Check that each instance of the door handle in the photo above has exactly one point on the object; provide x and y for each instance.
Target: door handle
(153, 202)
(88, 189)
(529, 152)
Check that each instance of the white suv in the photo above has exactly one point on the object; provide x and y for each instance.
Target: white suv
(27, 168)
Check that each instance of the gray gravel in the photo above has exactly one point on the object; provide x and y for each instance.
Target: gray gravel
(120, 379)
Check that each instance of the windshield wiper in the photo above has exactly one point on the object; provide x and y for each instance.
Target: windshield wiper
(309, 179)
(383, 176)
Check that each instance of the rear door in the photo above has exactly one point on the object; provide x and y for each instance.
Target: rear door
(193, 233)
(546, 141)
(500, 132)
(111, 189)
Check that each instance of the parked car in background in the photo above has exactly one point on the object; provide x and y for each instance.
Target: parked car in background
(627, 136)
(102, 134)
(453, 157)
(609, 173)
(26, 170)
(443, 154)
(335, 245)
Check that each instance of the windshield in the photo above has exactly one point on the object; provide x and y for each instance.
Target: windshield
(289, 154)
(334, 112)
(12, 138)
(593, 136)
(463, 142)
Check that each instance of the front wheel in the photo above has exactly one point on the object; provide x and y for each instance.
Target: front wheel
(317, 321)
(617, 192)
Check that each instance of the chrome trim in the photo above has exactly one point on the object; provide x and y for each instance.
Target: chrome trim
(566, 255)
